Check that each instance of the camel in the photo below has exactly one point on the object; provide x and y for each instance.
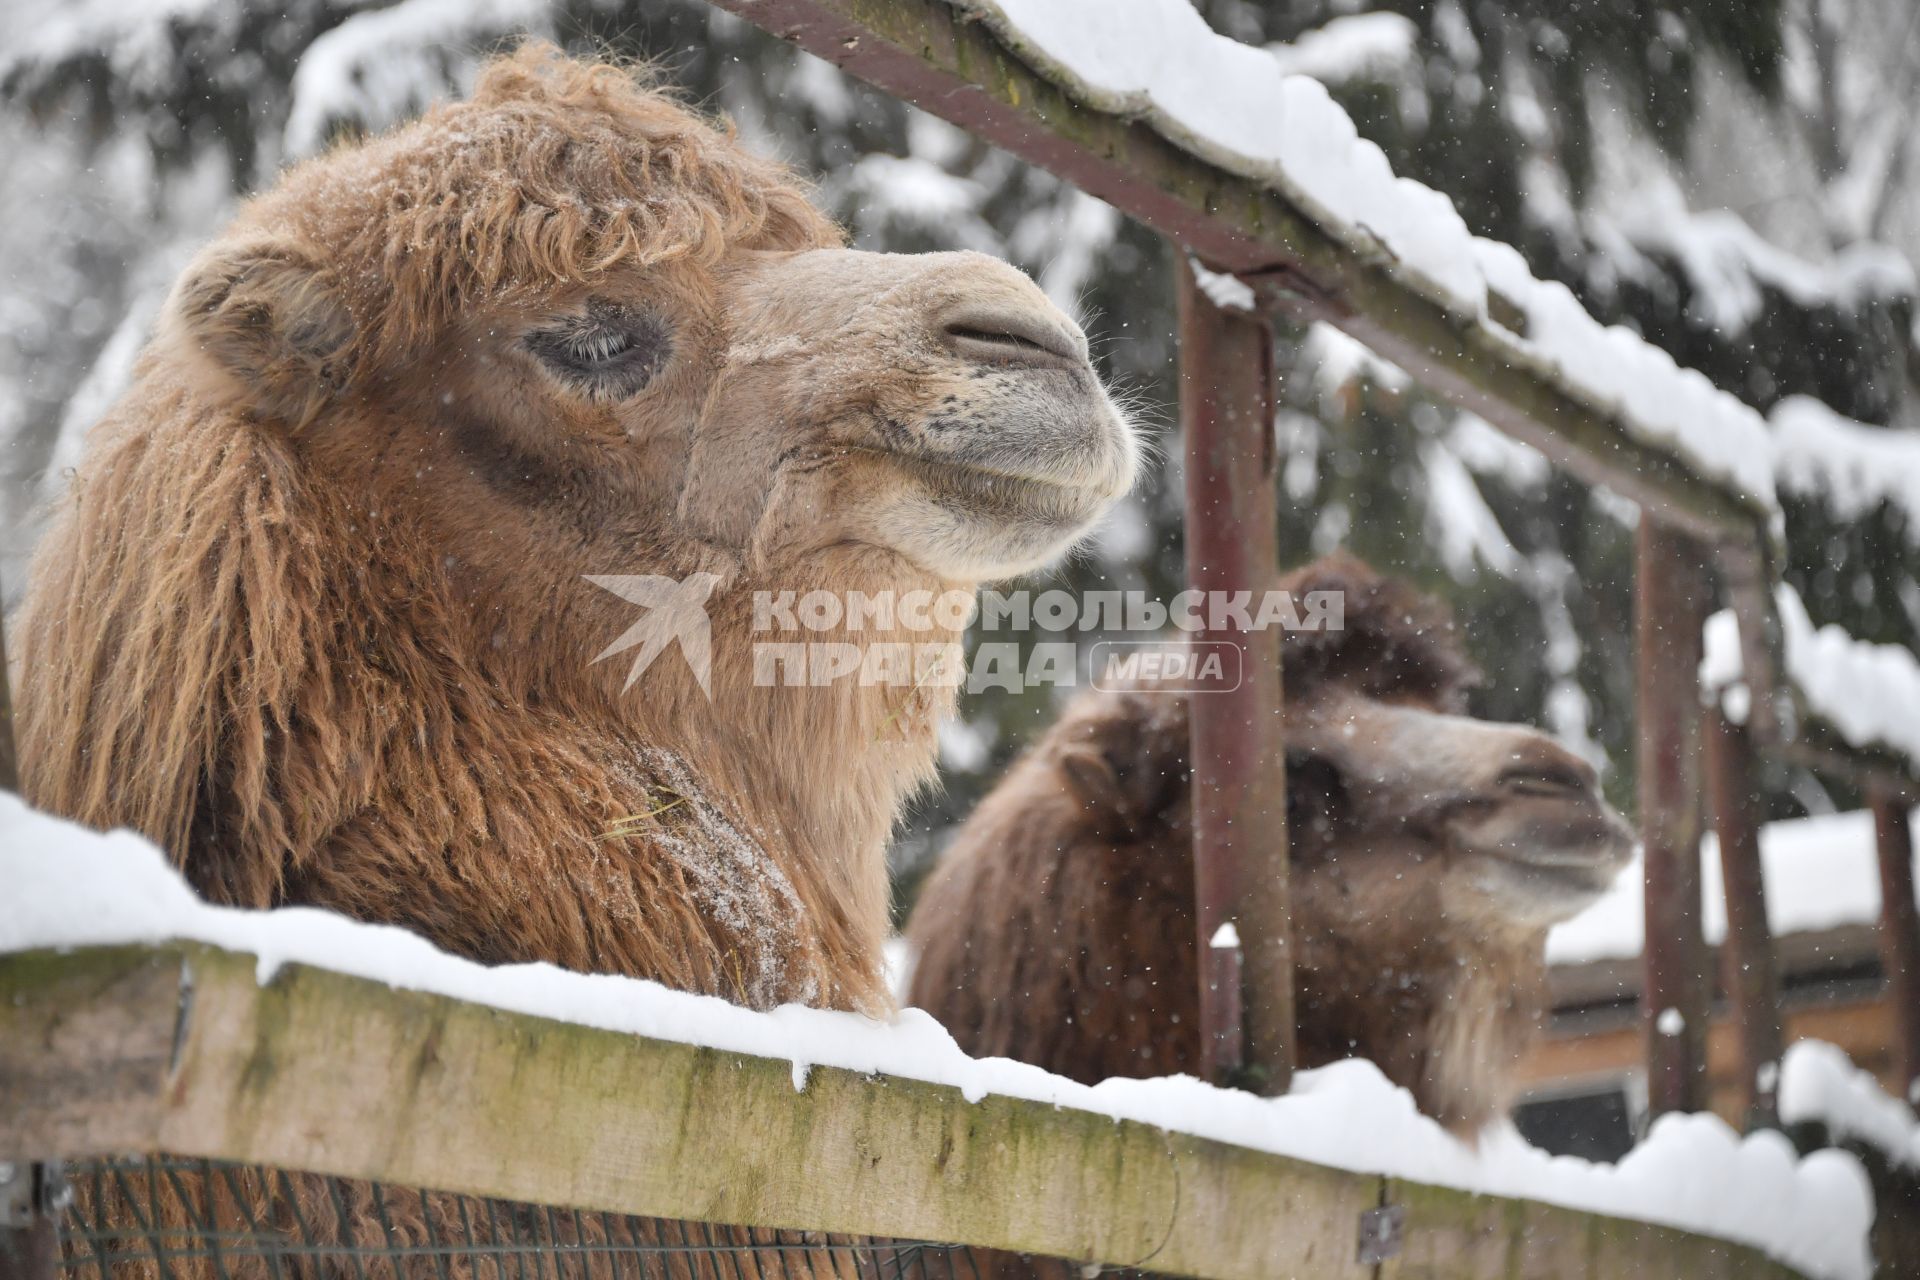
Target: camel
(1430, 854)
(316, 614)
(321, 611)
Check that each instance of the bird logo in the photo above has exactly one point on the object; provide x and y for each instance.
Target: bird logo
(676, 611)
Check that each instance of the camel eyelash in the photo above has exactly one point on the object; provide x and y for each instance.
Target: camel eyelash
(609, 352)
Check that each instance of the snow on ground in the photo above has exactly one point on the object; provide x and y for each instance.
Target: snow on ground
(1818, 1082)
(1237, 107)
(1867, 693)
(71, 887)
(1821, 872)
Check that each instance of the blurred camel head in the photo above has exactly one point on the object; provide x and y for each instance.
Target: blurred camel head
(1429, 853)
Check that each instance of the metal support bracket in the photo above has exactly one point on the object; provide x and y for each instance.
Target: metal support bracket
(32, 1197)
(1382, 1233)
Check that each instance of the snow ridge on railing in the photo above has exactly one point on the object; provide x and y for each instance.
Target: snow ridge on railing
(1236, 107)
(1819, 1084)
(1867, 693)
(73, 888)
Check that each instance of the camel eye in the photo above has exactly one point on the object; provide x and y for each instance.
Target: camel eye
(609, 352)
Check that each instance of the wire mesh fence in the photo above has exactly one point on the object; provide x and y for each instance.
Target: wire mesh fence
(166, 1218)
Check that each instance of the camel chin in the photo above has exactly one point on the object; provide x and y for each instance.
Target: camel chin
(965, 524)
(1530, 894)
(1541, 851)
(1028, 455)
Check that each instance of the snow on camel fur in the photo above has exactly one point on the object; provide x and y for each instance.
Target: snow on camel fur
(1431, 852)
(315, 613)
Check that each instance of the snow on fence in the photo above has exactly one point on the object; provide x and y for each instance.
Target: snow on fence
(1865, 698)
(1262, 175)
(1235, 106)
(136, 1019)
(1819, 1085)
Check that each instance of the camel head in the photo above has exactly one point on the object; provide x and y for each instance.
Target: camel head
(1414, 806)
(1429, 853)
(569, 328)
(337, 567)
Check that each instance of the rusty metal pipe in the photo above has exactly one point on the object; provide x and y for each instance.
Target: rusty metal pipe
(1239, 760)
(1899, 929)
(1670, 608)
(1747, 962)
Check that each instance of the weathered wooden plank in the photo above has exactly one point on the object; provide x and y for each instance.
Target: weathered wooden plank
(87, 1044)
(318, 1071)
(1455, 1235)
(323, 1072)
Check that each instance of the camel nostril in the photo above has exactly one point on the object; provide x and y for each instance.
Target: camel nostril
(1548, 779)
(1009, 338)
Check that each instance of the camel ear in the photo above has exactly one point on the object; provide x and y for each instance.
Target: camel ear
(264, 320)
(1091, 776)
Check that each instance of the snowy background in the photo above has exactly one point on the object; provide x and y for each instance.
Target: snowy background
(1735, 182)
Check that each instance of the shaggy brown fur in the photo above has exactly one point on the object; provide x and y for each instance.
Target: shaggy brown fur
(315, 613)
(1430, 853)
(316, 616)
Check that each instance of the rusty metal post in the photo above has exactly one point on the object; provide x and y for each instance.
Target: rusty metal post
(1899, 929)
(1670, 608)
(1239, 760)
(1746, 958)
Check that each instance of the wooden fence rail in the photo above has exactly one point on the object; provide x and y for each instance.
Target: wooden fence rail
(176, 1048)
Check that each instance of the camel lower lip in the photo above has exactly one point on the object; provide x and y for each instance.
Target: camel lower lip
(1026, 492)
(1588, 873)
